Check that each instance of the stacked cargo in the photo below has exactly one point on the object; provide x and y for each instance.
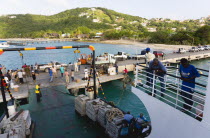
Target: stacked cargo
(101, 118)
(113, 128)
(80, 104)
(18, 127)
(92, 107)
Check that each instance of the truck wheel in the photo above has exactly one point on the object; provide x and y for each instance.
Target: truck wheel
(46, 70)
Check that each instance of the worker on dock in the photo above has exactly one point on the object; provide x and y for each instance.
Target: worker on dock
(20, 76)
(156, 67)
(54, 70)
(125, 71)
(33, 75)
(148, 56)
(51, 74)
(75, 67)
(38, 93)
(62, 70)
(72, 75)
(86, 73)
(79, 63)
(188, 74)
(66, 76)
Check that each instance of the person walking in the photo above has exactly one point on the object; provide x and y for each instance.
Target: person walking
(125, 71)
(148, 56)
(116, 66)
(54, 70)
(20, 76)
(86, 73)
(62, 70)
(75, 67)
(66, 76)
(33, 75)
(79, 63)
(51, 75)
(72, 75)
(188, 74)
(38, 93)
(156, 67)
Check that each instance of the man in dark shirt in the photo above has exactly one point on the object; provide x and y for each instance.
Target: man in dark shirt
(157, 68)
(188, 74)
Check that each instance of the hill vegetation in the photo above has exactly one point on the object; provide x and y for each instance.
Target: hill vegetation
(113, 25)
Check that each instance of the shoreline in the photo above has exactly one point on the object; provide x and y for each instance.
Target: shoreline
(118, 42)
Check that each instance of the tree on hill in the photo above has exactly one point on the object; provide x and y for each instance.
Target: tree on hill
(203, 34)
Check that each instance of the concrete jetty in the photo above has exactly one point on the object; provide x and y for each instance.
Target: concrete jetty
(43, 78)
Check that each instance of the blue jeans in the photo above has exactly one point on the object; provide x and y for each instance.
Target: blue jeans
(150, 80)
(187, 94)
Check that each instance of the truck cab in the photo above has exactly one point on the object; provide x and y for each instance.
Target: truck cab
(121, 56)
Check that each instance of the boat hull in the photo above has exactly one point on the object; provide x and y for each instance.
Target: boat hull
(168, 122)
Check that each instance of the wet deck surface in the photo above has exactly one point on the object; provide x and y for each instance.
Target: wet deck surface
(55, 116)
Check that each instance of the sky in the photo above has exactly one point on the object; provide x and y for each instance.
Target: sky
(173, 9)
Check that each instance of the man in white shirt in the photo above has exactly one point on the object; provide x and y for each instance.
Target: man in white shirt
(86, 73)
(149, 56)
(20, 76)
(75, 67)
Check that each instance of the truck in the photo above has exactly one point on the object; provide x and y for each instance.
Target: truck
(104, 59)
(44, 67)
(121, 56)
(136, 56)
(181, 50)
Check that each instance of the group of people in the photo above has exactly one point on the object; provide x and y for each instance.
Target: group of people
(188, 73)
(135, 127)
(19, 75)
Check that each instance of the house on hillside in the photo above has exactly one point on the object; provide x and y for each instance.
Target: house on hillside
(52, 35)
(98, 35)
(144, 24)
(173, 29)
(81, 36)
(118, 28)
(66, 35)
(96, 21)
(152, 29)
(12, 17)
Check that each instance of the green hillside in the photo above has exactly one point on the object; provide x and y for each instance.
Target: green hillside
(89, 21)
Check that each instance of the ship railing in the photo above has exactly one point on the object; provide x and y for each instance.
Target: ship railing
(173, 94)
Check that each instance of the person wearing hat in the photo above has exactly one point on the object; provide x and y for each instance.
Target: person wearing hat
(148, 56)
(33, 75)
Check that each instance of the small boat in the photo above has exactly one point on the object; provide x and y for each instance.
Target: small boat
(3, 44)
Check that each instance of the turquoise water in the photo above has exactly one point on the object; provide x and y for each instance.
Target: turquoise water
(12, 59)
(55, 115)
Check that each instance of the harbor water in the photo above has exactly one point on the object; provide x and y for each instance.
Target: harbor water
(55, 116)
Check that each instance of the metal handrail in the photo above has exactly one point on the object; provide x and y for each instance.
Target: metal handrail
(156, 87)
(179, 77)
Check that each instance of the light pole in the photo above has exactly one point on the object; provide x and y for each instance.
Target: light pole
(192, 38)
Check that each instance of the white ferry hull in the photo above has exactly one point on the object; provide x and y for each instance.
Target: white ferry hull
(168, 122)
(4, 45)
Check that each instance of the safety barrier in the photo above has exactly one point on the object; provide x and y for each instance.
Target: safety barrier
(170, 92)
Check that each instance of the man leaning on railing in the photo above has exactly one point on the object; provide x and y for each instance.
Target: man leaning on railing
(156, 67)
(188, 74)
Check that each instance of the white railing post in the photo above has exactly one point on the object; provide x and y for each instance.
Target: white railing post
(177, 70)
(136, 77)
(153, 83)
(177, 93)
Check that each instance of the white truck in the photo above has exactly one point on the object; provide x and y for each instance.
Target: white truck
(104, 59)
(44, 67)
(181, 50)
(137, 56)
(121, 56)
